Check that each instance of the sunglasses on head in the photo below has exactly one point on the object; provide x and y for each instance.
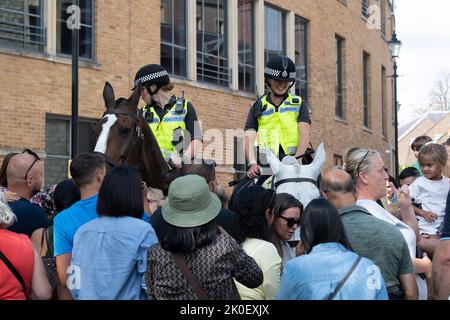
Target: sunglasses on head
(364, 158)
(36, 158)
(291, 221)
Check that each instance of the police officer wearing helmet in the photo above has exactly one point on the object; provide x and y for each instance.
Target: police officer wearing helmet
(173, 120)
(278, 120)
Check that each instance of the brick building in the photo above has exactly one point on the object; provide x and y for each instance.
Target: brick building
(215, 51)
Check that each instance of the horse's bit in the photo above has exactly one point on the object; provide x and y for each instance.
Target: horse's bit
(137, 132)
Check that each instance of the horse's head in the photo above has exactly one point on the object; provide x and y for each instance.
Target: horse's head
(124, 137)
(119, 130)
(296, 179)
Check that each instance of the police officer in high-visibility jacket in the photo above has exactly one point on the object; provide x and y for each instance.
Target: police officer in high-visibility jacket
(172, 119)
(278, 120)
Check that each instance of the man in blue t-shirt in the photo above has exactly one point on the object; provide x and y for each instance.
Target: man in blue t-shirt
(88, 171)
(25, 176)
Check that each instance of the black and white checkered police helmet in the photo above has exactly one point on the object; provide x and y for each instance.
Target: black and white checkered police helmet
(281, 68)
(152, 74)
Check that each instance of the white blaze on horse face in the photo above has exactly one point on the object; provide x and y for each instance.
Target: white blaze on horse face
(102, 141)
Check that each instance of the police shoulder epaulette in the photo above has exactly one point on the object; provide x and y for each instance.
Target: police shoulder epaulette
(295, 100)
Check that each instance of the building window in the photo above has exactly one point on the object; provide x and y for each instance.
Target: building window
(173, 36)
(366, 88)
(339, 105)
(212, 50)
(246, 45)
(365, 8)
(274, 41)
(22, 25)
(337, 160)
(57, 145)
(86, 33)
(383, 16)
(383, 102)
(301, 58)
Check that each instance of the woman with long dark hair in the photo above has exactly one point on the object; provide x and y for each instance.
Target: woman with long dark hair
(254, 216)
(329, 269)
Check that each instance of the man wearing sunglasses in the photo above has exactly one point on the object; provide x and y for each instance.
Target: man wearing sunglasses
(25, 177)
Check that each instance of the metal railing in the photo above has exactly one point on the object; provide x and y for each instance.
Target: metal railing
(365, 8)
(16, 28)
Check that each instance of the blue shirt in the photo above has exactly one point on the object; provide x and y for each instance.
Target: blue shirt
(29, 217)
(67, 222)
(315, 276)
(110, 256)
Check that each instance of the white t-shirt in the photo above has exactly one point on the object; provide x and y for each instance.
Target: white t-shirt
(432, 195)
(379, 212)
(408, 234)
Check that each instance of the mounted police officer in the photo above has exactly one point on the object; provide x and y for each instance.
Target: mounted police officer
(278, 120)
(173, 120)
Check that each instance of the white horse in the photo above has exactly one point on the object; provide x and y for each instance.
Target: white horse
(296, 179)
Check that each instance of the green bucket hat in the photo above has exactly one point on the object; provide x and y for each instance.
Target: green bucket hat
(190, 202)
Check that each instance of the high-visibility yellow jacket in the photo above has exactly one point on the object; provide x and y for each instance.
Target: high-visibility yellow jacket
(280, 127)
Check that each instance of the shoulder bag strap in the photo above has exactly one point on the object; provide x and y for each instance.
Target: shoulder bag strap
(13, 271)
(342, 282)
(190, 277)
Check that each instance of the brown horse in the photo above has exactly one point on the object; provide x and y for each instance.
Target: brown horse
(125, 138)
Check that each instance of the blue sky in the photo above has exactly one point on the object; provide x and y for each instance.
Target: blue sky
(424, 29)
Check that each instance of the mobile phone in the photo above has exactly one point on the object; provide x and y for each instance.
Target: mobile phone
(394, 199)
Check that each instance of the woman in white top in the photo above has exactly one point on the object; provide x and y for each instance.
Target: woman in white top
(369, 174)
(254, 214)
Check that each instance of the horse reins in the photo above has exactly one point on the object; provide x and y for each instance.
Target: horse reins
(137, 133)
(235, 182)
(314, 182)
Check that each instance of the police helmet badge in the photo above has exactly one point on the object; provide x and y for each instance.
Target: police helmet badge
(284, 74)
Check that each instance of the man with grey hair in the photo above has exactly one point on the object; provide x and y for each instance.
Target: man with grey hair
(371, 237)
(25, 177)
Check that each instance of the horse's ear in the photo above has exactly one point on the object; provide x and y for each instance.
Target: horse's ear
(108, 96)
(319, 159)
(273, 161)
(135, 96)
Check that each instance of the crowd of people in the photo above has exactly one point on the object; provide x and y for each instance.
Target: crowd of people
(104, 234)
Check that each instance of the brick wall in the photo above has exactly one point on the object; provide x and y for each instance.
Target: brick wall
(127, 35)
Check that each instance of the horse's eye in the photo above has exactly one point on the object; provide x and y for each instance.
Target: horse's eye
(125, 131)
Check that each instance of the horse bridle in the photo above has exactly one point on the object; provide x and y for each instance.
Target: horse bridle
(137, 133)
(314, 182)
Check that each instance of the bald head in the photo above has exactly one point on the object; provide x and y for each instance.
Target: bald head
(337, 180)
(337, 187)
(20, 165)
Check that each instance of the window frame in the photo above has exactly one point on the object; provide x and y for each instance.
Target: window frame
(339, 86)
(200, 55)
(172, 44)
(383, 102)
(283, 31)
(244, 65)
(305, 23)
(366, 91)
(93, 30)
(26, 25)
(67, 120)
